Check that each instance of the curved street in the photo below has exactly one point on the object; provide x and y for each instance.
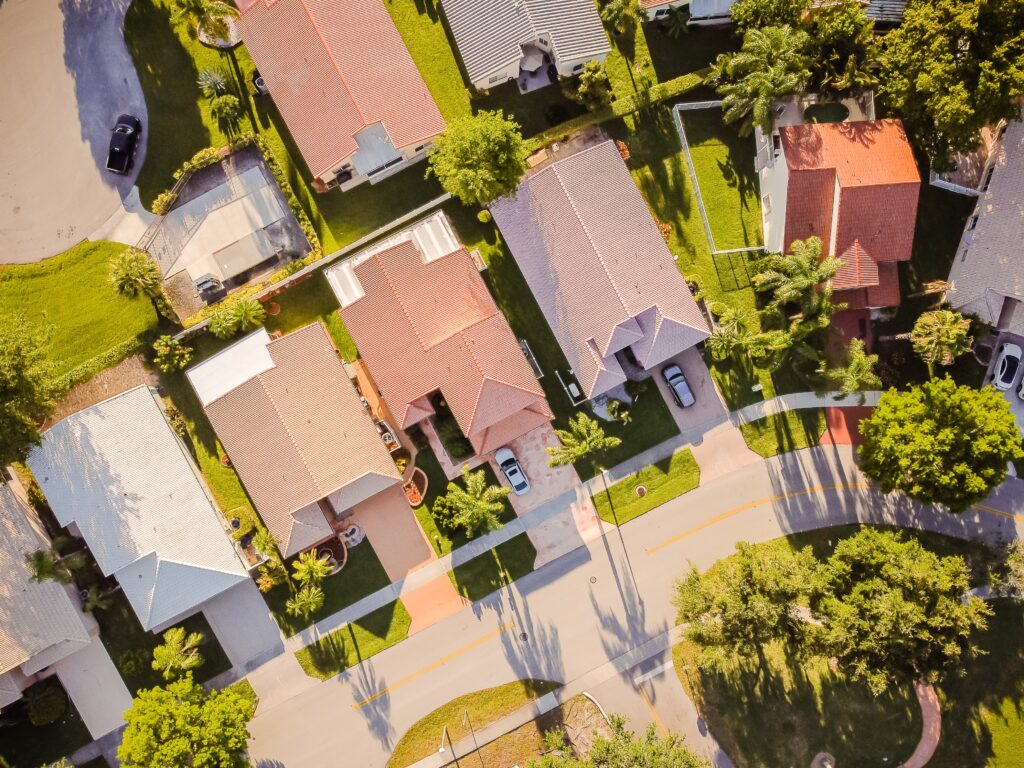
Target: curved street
(593, 614)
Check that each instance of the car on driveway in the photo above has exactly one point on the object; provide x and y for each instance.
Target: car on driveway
(678, 385)
(512, 470)
(1006, 366)
(124, 140)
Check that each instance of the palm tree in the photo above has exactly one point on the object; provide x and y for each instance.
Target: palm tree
(310, 568)
(50, 565)
(622, 16)
(247, 313)
(771, 64)
(209, 16)
(178, 654)
(97, 598)
(677, 23)
(858, 375)
(476, 506)
(135, 273)
(306, 601)
(731, 333)
(584, 437)
(941, 337)
(799, 277)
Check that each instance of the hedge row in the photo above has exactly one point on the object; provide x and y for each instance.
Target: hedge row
(101, 362)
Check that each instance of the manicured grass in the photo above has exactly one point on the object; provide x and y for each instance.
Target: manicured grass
(784, 432)
(375, 632)
(798, 708)
(651, 423)
(673, 57)
(629, 65)
(664, 481)
(490, 571)
(535, 111)
(443, 539)
(420, 25)
(24, 745)
(362, 575)
(70, 296)
(310, 301)
(484, 707)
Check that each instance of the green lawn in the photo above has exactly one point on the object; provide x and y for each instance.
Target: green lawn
(307, 302)
(484, 707)
(784, 432)
(535, 111)
(490, 571)
(375, 632)
(362, 575)
(663, 482)
(673, 57)
(651, 423)
(629, 65)
(799, 708)
(443, 539)
(70, 295)
(24, 745)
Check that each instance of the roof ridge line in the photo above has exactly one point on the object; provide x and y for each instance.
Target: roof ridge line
(394, 291)
(334, 62)
(291, 439)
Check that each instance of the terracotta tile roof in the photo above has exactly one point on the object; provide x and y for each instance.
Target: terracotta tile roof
(597, 265)
(423, 327)
(855, 185)
(297, 433)
(333, 68)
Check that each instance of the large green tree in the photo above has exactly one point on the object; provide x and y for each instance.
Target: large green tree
(799, 278)
(940, 337)
(892, 611)
(952, 67)
(182, 725)
(585, 436)
(625, 750)
(178, 654)
(940, 443)
(480, 158)
(745, 601)
(771, 64)
(475, 505)
(754, 14)
(622, 17)
(26, 395)
(843, 46)
(133, 273)
(857, 373)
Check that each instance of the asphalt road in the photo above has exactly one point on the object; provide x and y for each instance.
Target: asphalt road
(594, 604)
(67, 75)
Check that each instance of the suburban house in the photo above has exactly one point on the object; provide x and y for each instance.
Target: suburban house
(446, 340)
(599, 268)
(853, 184)
(710, 13)
(533, 41)
(987, 278)
(118, 476)
(345, 84)
(43, 631)
(659, 9)
(297, 434)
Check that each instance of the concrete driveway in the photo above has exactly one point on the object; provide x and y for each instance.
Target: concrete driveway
(708, 410)
(67, 76)
(1016, 404)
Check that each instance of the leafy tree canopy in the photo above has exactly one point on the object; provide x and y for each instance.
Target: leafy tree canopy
(940, 337)
(480, 158)
(752, 14)
(477, 505)
(940, 443)
(26, 396)
(625, 750)
(844, 47)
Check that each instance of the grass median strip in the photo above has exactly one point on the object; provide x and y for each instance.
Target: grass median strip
(343, 648)
(783, 432)
(661, 482)
(488, 572)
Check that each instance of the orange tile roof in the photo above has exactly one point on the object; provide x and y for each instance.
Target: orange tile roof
(423, 327)
(333, 68)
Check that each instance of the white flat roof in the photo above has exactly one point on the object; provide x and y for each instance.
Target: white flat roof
(231, 367)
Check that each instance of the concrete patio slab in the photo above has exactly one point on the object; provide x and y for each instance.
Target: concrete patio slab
(393, 532)
(433, 602)
(93, 683)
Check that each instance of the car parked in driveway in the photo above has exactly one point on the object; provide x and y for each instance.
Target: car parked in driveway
(1007, 366)
(124, 140)
(678, 385)
(512, 470)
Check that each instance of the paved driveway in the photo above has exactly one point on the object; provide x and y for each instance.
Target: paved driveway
(92, 682)
(67, 75)
(240, 619)
(1016, 404)
(708, 409)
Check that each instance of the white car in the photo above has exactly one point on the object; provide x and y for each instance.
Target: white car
(512, 470)
(1006, 366)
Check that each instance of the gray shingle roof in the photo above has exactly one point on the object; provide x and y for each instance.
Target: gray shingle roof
(489, 33)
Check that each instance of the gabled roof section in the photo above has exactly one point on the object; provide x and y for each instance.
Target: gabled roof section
(490, 33)
(335, 67)
(119, 473)
(38, 622)
(296, 431)
(595, 261)
(861, 153)
(444, 332)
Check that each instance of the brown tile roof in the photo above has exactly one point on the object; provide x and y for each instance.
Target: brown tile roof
(297, 433)
(334, 67)
(869, 165)
(423, 327)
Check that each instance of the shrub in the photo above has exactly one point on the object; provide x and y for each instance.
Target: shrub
(177, 422)
(623, 150)
(226, 107)
(484, 216)
(213, 82)
(203, 158)
(444, 513)
(455, 443)
(171, 354)
(418, 438)
(163, 202)
(133, 663)
(47, 704)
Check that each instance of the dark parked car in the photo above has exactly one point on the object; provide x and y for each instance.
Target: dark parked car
(681, 391)
(124, 140)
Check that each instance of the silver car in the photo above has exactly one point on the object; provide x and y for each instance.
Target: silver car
(512, 470)
(676, 381)
(1006, 366)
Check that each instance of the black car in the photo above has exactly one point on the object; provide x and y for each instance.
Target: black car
(681, 391)
(124, 140)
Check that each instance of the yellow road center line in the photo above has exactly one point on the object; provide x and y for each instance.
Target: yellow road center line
(654, 712)
(434, 665)
(1001, 513)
